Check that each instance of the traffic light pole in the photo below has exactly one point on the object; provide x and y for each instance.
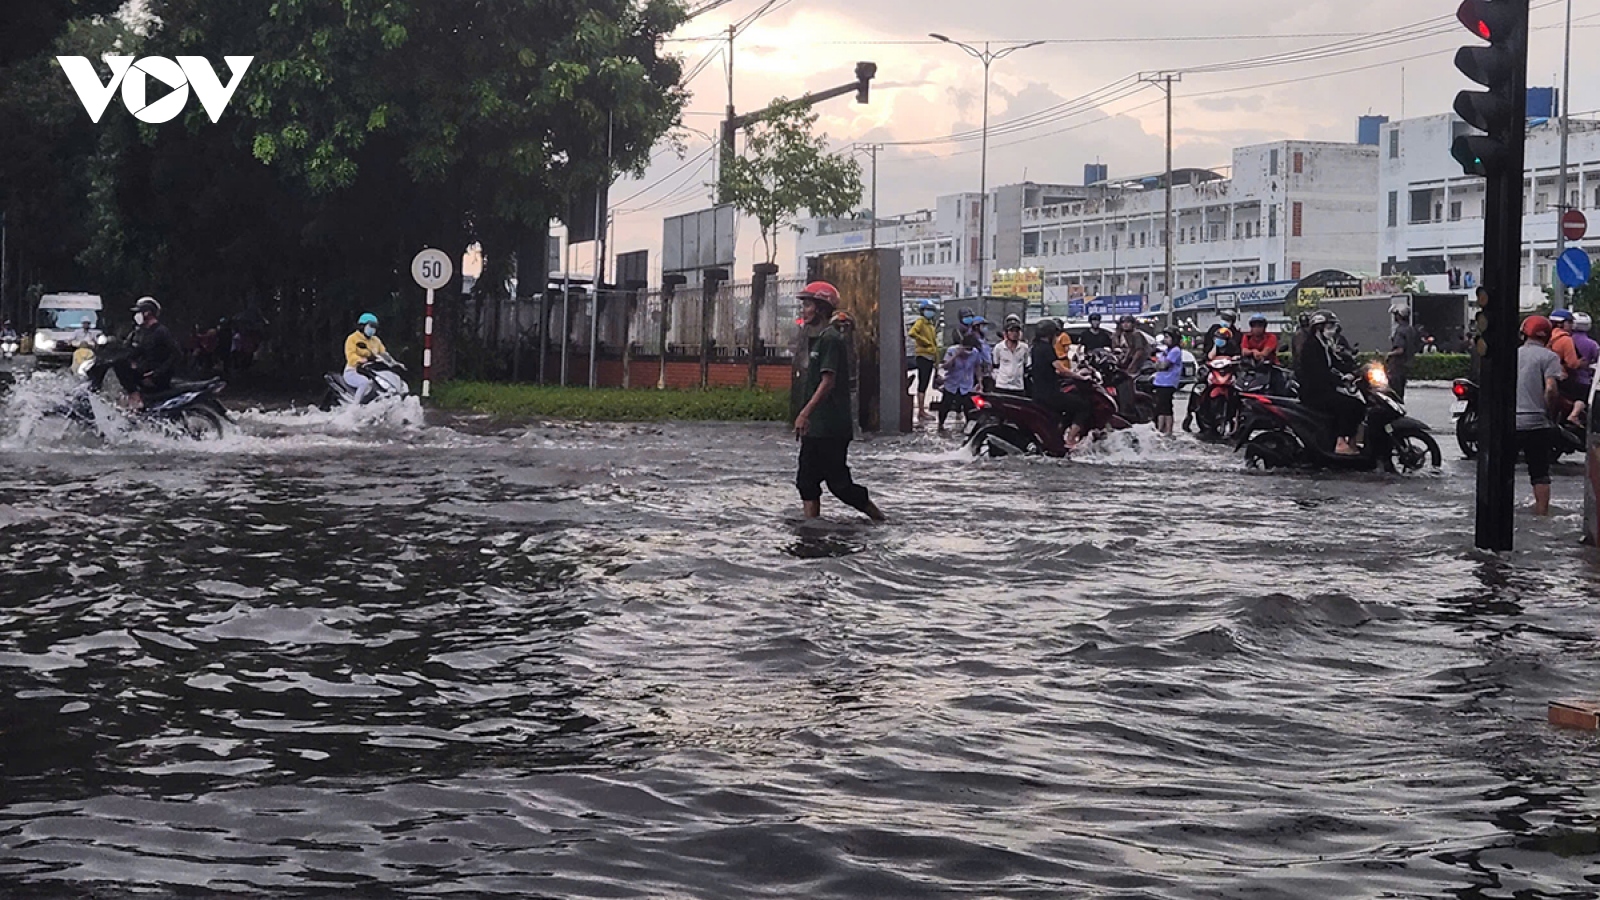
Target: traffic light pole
(861, 87)
(1502, 275)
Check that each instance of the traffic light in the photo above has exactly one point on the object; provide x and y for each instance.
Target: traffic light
(1500, 67)
(865, 72)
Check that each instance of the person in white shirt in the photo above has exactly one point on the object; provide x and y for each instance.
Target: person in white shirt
(1011, 358)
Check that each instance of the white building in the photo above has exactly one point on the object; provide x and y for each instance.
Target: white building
(1290, 208)
(940, 246)
(1431, 216)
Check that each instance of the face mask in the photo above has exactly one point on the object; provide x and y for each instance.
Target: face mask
(138, 318)
(370, 330)
(929, 314)
(966, 320)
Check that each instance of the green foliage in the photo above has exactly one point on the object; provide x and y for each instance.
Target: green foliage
(785, 170)
(614, 404)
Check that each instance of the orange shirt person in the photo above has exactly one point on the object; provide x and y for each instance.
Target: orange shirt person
(1258, 344)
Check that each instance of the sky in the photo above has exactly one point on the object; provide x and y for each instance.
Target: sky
(928, 91)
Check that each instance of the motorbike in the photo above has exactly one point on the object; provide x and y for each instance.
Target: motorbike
(188, 407)
(1280, 432)
(1214, 402)
(9, 345)
(1107, 365)
(1569, 437)
(1004, 424)
(384, 370)
(1265, 378)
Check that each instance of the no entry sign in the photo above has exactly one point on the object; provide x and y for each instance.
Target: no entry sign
(1574, 225)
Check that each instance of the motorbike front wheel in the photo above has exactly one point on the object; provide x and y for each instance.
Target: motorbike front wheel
(1412, 451)
(1467, 434)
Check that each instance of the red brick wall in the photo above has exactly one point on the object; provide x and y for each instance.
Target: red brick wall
(681, 374)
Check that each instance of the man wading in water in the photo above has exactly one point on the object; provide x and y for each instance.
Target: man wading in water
(824, 426)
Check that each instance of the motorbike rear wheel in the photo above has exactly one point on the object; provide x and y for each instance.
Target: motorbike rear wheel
(1411, 451)
(1270, 450)
(1467, 434)
(997, 441)
(201, 424)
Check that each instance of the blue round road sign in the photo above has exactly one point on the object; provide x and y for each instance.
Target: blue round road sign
(1573, 267)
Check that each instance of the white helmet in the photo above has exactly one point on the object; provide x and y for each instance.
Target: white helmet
(1581, 321)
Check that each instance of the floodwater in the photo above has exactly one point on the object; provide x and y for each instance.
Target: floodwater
(377, 658)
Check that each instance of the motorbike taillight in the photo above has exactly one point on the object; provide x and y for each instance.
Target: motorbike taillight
(1459, 389)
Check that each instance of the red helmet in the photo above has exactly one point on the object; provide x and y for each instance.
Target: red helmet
(822, 292)
(1537, 327)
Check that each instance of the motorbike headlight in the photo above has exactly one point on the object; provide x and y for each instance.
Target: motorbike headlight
(1377, 377)
(101, 340)
(45, 344)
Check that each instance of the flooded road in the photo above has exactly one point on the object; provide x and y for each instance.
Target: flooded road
(375, 658)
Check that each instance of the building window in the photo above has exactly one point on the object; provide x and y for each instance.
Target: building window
(1294, 271)
(1299, 162)
(1455, 210)
(1096, 240)
(1541, 204)
(1272, 271)
(1272, 222)
(1394, 143)
(1295, 226)
(1421, 206)
(1238, 230)
(1273, 164)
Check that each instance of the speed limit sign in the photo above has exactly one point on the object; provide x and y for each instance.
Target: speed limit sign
(431, 269)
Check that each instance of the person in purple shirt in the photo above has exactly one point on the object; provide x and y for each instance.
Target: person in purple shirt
(1169, 375)
(962, 365)
(1588, 351)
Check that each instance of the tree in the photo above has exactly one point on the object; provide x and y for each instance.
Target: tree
(786, 169)
(31, 25)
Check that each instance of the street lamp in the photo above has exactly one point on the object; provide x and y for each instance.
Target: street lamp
(987, 57)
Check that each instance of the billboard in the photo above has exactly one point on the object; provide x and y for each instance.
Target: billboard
(1025, 283)
(699, 240)
(923, 287)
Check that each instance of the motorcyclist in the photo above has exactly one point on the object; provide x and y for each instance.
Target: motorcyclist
(153, 355)
(1230, 321)
(1096, 338)
(363, 345)
(1045, 373)
(1562, 344)
(1258, 344)
(1588, 354)
(1224, 344)
(8, 332)
(1322, 367)
(1133, 354)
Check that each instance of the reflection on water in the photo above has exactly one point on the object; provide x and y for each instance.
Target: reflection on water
(610, 661)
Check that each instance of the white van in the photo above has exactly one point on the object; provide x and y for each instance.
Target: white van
(59, 321)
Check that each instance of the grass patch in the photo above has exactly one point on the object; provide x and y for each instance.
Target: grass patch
(614, 404)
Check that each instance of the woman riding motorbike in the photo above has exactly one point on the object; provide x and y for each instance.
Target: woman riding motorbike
(1322, 367)
(1045, 373)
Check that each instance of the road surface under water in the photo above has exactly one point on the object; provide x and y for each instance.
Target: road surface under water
(371, 658)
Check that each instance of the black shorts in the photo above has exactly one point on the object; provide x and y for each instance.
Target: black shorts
(1164, 400)
(1572, 390)
(953, 403)
(1536, 446)
(924, 374)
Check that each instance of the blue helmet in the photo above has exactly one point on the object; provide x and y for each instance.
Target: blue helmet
(927, 305)
(1560, 315)
(367, 319)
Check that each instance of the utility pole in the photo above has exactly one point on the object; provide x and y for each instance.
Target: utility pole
(1561, 180)
(4, 271)
(1165, 79)
(873, 149)
(987, 57)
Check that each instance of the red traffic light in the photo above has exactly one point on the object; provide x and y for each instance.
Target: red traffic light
(1471, 15)
(1492, 20)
